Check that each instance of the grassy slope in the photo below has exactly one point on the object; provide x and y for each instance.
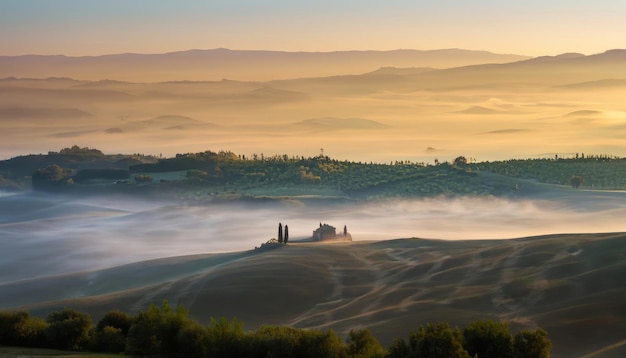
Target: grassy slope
(571, 285)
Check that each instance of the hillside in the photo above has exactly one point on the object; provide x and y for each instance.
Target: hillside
(208, 175)
(571, 285)
(216, 64)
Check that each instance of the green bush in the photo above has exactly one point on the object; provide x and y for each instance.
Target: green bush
(20, 329)
(108, 339)
(155, 331)
(361, 344)
(531, 344)
(281, 341)
(68, 329)
(488, 339)
(170, 333)
(194, 341)
(116, 319)
(433, 341)
(225, 337)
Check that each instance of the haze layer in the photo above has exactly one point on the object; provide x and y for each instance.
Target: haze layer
(544, 106)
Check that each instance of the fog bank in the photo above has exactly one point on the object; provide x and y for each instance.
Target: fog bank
(43, 235)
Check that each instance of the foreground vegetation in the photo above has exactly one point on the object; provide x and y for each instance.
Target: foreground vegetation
(170, 332)
(226, 173)
(27, 352)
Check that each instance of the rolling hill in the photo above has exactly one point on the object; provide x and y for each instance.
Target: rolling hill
(570, 285)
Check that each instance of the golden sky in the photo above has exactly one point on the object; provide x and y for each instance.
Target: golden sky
(74, 27)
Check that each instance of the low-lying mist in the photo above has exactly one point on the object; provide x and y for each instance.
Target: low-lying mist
(45, 235)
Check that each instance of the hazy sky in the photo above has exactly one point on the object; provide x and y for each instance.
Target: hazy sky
(532, 27)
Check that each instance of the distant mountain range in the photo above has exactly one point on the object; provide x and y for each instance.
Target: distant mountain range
(572, 71)
(217, 64)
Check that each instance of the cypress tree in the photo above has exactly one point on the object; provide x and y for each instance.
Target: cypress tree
(280, 232)
(286, 238)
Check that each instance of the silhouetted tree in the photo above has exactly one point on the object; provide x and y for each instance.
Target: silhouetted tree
(460, 161)
(286, 238)
(280, 232)
(345, 230)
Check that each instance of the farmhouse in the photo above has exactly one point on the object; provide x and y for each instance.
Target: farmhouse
(327, 232)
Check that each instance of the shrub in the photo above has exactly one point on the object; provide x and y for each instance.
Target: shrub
(155, 331)
(577, 181)
(143, 178)
(488, 339)
(115, 319)
(68, 329)
(20, 329)
(531, 344)
(194, 341)
(225, 337)
(281, 341)
(197, 174)
(438, 340)
(109, 339)
(433, 341)
(400, 349)
(361, 344)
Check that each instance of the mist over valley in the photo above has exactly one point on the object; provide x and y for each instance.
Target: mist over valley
(63, 234)
(473, 185)
(313, 178)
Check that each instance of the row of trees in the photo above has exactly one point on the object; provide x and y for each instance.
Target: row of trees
(231, 172)
(484, 339)
(168, 332)
(601, 172)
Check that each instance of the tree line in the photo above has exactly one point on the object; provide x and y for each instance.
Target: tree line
(401, 178)
(170, 332)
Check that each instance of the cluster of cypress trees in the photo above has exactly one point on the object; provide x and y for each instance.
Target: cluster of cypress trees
(283, 237)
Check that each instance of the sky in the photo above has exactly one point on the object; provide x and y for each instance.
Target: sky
(532, 27)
